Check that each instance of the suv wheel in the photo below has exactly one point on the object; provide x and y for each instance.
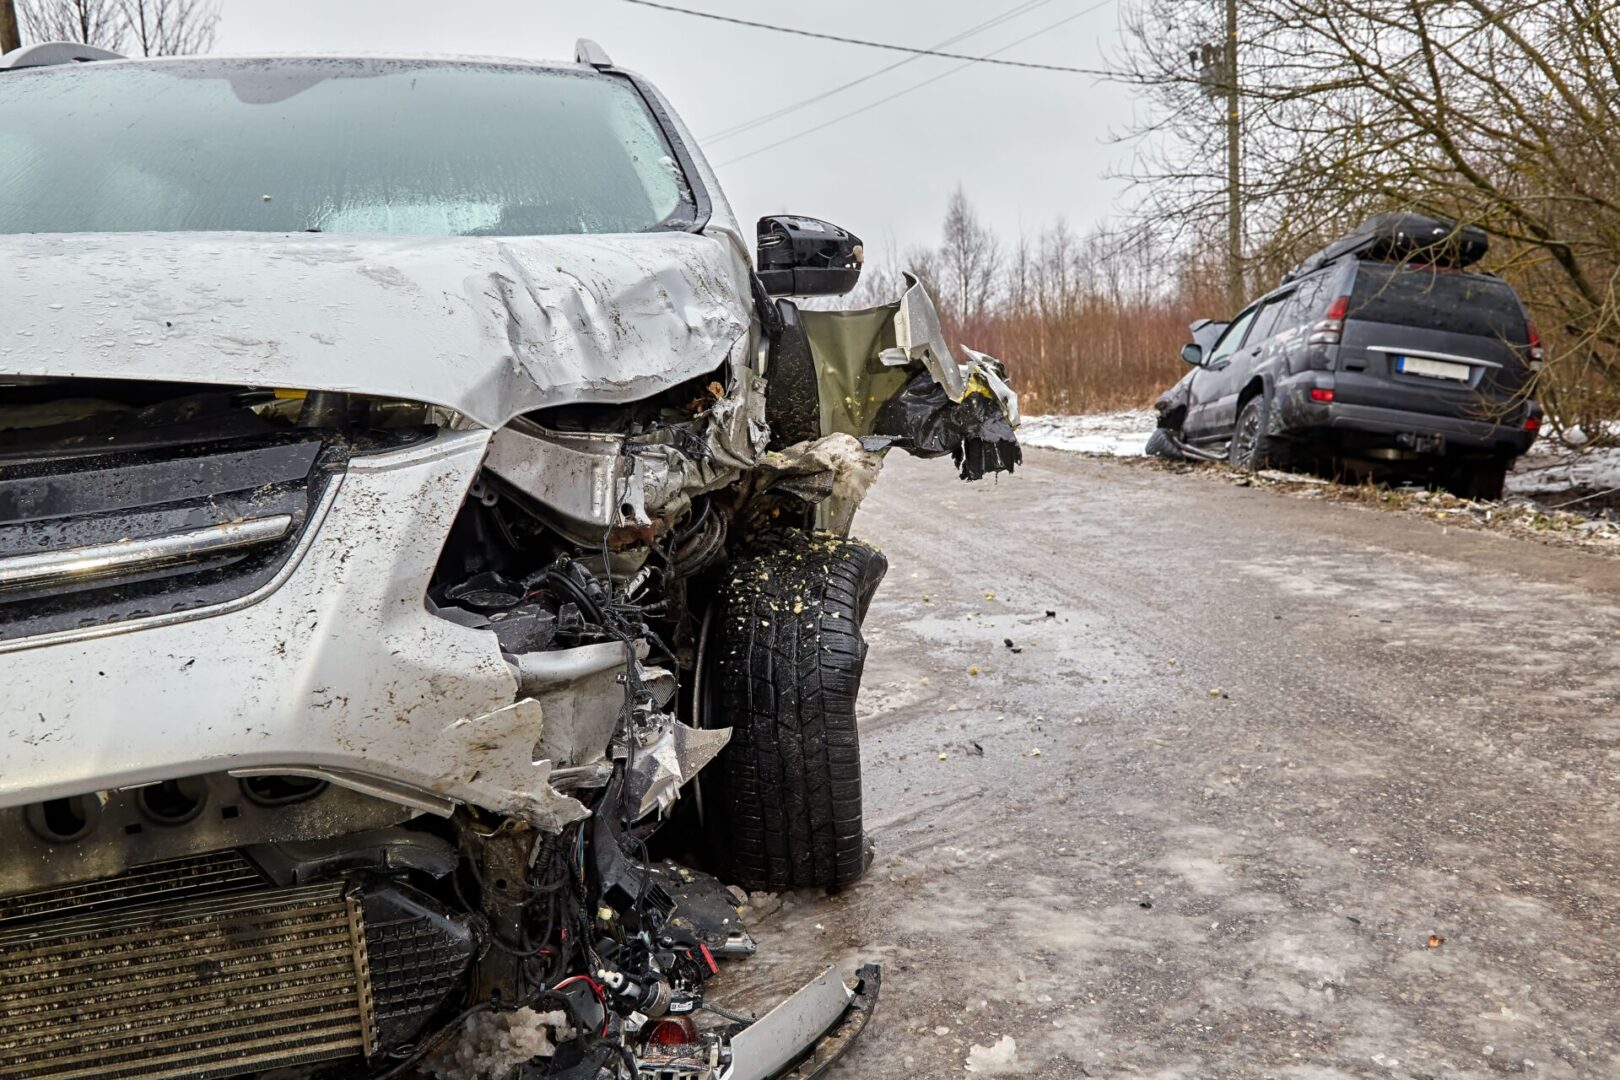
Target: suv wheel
(783, 803)
(1253, 448)
(1164, 443)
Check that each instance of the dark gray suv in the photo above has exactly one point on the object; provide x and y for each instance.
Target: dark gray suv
(1381, 355)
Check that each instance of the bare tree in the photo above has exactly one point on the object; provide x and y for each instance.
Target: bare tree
(971, 258)
(149, 27)
(1500, 113)
(91, 22)
(171, 27)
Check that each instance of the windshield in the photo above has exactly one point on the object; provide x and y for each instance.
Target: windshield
(343, 146)
(1435, 299)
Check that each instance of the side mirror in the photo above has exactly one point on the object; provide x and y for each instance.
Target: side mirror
(1193, 354)
(800, 256)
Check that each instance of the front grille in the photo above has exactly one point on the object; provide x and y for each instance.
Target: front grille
(124, 534)
(206, 988)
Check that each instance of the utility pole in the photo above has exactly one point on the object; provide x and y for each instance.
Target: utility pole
(1217, 67)
(1234, 175)
(10, 35)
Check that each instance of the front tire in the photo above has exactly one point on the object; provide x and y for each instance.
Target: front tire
(788, 656)
(1163, 443)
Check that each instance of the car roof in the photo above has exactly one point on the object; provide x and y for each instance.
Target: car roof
(246, 60)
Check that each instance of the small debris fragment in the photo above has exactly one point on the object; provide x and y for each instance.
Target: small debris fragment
(1051, 614)
(943, 755)
(942, 1030)
(989, 596)
(977, 749)
(999, 1059)
(1009, 643)
(973, 671)
(1435, 941)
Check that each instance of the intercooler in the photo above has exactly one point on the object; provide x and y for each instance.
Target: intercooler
(206, 987)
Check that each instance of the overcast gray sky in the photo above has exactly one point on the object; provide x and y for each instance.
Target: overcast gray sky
(1028, 146)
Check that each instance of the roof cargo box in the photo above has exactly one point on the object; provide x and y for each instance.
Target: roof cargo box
(1402, 237)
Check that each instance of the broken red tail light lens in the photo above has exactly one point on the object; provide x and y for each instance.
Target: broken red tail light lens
(1537, 354)
(1329, 330)
(674, 1031)
(1318, 394)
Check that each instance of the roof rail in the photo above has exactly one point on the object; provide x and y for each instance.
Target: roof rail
(589, 52)
(49, 53)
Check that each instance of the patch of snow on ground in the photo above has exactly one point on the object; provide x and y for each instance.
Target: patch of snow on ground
(1551, 468)
(999, 1059)
(1116, 434)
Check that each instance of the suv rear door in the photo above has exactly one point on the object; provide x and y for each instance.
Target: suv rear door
(1232, 363)
(1429, 340)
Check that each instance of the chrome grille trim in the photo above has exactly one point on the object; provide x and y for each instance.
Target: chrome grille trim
(102, 560)
(312, 526)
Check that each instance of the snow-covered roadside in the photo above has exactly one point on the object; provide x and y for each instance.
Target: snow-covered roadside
(1548, 471)
(1551, 470)
(1115, 434)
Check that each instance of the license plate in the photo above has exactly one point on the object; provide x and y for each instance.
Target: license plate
(1434, 369)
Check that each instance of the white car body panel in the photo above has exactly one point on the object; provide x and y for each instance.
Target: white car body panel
(490, 327)
(342, 668)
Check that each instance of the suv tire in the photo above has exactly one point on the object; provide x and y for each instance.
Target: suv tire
(1253, 447)
(784, 797)
(1163, 443)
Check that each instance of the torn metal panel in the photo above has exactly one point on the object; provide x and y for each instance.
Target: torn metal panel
(661, 767)
(490, 328)
(592, 481)
(888, 372)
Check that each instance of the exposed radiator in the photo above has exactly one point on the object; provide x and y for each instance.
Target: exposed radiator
(203, 988)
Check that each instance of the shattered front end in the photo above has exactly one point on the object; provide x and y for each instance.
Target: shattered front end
(374, 638)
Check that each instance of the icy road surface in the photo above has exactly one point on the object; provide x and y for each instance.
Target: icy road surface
(1281, 789)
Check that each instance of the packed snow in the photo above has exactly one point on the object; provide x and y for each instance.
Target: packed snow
(1549, 470)
(1114, 434)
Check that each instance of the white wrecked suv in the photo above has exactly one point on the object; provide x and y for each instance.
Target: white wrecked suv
(419, 521)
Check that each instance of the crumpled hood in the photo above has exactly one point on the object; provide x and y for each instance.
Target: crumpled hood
(489, 327)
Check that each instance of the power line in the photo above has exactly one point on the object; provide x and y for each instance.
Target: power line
(915, 86)
(749, 125)
(868, 44)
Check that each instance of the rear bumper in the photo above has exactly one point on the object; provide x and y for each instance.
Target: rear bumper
(1371, 425)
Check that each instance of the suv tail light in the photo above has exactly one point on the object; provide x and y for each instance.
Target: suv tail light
(1329, 330)
(1537, 353)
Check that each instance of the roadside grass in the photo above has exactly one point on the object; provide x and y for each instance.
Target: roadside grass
(1515, 516)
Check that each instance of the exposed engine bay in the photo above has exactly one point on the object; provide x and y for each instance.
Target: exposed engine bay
(482, 772)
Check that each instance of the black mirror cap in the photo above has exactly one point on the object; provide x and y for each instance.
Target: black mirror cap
(802, 256)
(1193, 354)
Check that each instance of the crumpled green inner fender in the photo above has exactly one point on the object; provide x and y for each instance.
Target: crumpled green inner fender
(853, 382)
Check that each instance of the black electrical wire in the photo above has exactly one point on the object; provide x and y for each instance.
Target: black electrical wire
(915, 86)
(986, 59)
(765, 118)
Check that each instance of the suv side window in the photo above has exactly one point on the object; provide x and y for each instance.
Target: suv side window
(1307, 303)
(1267, 324)
(1232, 340)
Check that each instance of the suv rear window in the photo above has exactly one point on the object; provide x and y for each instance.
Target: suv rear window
(1432, 299)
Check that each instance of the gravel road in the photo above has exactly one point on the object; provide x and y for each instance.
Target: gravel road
(1268, 788)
